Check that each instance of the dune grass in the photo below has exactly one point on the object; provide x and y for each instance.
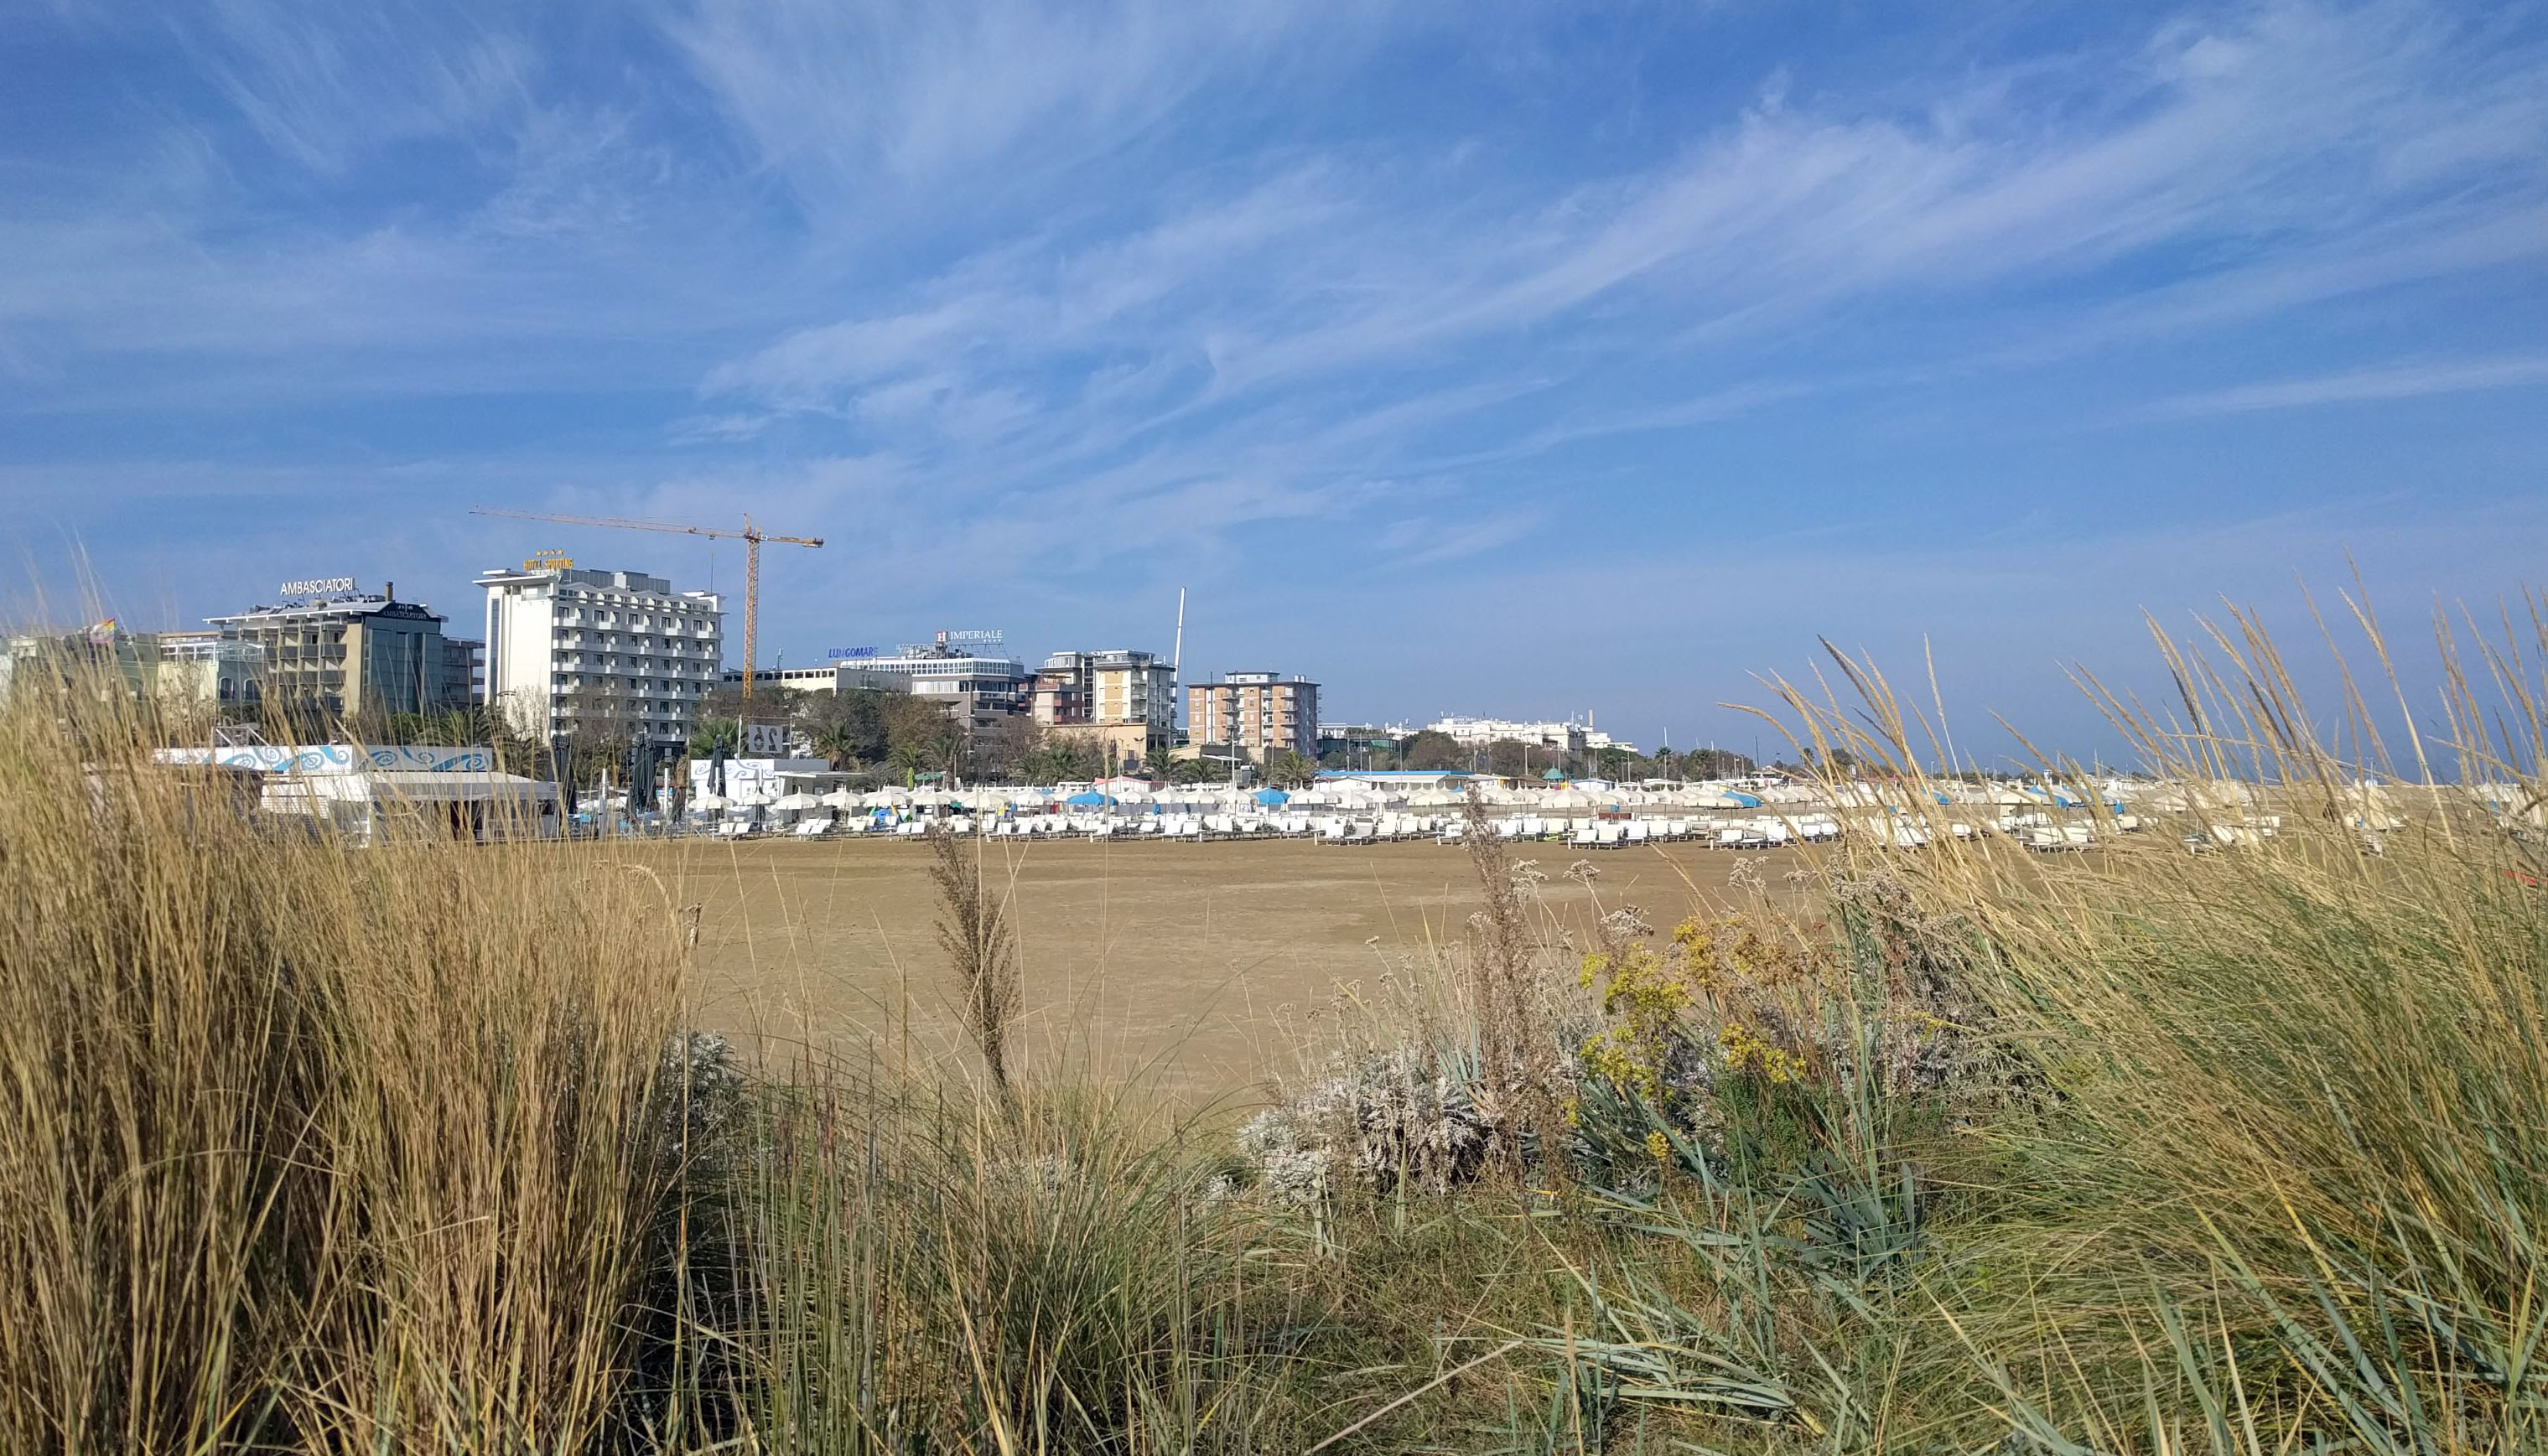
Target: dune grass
(305, 1148)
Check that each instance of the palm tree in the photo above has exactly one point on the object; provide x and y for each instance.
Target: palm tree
(838, 743)
(1288, 770)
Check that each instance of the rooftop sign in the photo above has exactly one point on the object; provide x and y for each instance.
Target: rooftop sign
(839, 653)
(992, 637)
(319, 587)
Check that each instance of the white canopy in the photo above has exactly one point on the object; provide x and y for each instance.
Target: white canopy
(418, 786)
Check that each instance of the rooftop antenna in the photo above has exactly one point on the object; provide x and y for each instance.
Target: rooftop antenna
(1177, 658)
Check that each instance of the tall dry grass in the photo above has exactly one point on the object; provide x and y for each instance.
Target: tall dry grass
(303, 1148)
(981, 946)
(306, 1148)
(2290, 1183)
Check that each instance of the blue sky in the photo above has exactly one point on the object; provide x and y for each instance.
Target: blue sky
(1467, 357)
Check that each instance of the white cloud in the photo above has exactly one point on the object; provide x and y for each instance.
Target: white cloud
(1317, 336)
(906, 99)
(2393, 382)
(2248, 142)
(324, 85)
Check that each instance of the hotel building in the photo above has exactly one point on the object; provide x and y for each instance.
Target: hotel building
(579, 650)
(345, 656)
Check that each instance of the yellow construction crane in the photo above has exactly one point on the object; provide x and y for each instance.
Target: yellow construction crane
(751, 536)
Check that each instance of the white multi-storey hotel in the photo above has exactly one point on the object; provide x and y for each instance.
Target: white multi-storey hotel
(571, 649)
(1477, 732)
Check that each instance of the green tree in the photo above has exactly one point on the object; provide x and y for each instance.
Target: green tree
(850, 728)
(1289, 770)
(921, 736)
(1715, 763)
(1199, 770)
(1000, 755)
(708, 734)
(1429, 750)
(1062, 759)
(1512, 758)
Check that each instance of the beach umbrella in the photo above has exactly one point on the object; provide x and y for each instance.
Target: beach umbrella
(840, 798)
(797, 801)
(1272, 798)
(1089, 799)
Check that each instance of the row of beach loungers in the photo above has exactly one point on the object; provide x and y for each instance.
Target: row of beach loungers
(1762, 832)
(1581, 833)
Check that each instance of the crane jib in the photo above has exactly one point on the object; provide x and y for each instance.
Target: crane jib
(751, 536)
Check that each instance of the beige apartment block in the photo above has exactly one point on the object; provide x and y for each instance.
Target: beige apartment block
(1124, 701)
(1257, 714)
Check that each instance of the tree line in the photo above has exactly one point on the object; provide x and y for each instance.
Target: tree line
(1433, 750)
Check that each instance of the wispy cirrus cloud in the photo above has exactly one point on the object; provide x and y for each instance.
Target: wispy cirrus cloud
(2246, 142)
(2272, 151)
(905, 104)
(2408, 381)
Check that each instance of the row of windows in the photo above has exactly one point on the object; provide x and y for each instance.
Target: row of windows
(637, 619)
(673, 642)
(606, 663)
(612, 682)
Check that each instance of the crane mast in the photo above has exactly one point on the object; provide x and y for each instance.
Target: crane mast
(751, 536)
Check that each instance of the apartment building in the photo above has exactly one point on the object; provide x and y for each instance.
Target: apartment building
(1256, 714)
(1124, 701)
(574, 649)
(980, 692)
(347, 655)
(200, 669)
(1479, 732)
(104, 659)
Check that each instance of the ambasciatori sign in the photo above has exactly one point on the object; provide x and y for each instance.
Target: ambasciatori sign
(319, 587)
